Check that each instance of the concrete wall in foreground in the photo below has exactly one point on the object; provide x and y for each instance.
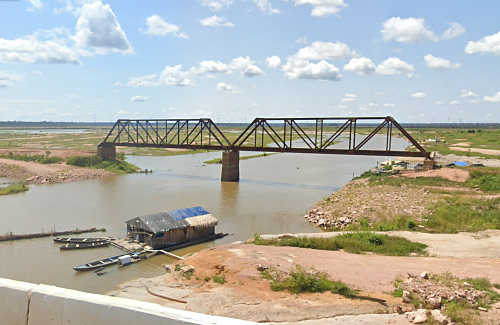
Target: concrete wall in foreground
(31, 304)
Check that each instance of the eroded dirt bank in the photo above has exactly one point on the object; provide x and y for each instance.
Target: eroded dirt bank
(246, 295)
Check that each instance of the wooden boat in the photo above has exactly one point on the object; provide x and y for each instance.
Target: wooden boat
(79, 240)
(84, 245)
(98, 264)
(103, 263)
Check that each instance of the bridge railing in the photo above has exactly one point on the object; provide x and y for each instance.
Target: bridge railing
(334, 135)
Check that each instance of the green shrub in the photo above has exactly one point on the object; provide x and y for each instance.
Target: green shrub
(219, 279)
(300, 281)
(97, 162)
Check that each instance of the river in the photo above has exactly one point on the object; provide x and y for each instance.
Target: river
(273, 195)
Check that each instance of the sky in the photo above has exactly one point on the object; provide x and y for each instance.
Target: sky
(234, 60)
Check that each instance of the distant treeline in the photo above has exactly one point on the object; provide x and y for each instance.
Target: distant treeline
(59, 125)
(63, 125)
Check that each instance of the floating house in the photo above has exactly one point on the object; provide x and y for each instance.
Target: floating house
(164, 229)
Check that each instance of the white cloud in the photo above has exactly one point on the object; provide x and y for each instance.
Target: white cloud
(44, 46)
(35, 5)
(212, 67)
(144, 81)
(454, 102)
(323, 8)
(97, 28)
(139, 99)
(389, 105)
(273, 61)
(216, 4)
(266, 7)
(455, 30)
(325, 51)
(488, 44)
(440, 63)
(494, 99)
(227, 88)
(395, 66)
(406, 30)
(7, 79)
(467, 93)
(418, 95)
(303, 69)
(361, 66)
(246, 67)
(349, 97)
(157, 26)
(216, 21)
(174, 76)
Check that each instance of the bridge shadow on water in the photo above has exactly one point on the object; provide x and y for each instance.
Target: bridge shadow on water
(255, 182)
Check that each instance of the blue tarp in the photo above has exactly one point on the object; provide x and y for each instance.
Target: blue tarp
(187, 213)
(460, 163)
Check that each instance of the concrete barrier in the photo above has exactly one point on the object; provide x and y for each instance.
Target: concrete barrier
(14, 301)
(26, 303)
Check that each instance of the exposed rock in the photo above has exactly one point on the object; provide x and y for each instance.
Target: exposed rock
(406, 297)
(438, 317)
(419, 316)
(187, 268)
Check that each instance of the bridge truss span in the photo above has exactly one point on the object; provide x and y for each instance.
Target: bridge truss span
(167, 133)
(332, 135)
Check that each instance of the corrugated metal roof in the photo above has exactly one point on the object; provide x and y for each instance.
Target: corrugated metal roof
(165, 221)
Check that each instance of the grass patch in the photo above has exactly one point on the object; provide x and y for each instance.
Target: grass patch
(486, 179)
(357, 243)
(301, 281)
(97, 162)
(221, 279)
(14, 189)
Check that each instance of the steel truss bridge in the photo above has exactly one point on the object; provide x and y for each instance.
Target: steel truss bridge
(332, 135)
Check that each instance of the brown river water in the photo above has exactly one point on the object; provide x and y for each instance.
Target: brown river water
(273, 195)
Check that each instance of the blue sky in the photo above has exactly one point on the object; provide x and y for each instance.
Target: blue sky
(234, 60)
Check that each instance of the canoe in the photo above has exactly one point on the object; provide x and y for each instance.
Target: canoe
(103, 263)
(79, 240)
(84, 245)
(97, 264)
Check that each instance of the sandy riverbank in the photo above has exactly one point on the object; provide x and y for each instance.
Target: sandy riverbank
(49, 173)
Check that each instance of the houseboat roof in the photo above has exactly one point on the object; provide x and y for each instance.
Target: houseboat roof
(175, 219)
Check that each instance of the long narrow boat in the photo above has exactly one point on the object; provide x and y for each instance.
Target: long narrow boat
(97, 264)
(104, 262)
(84, 245)
(79, 240)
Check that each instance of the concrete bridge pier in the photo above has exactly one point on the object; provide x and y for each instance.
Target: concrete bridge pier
(230, 166)
(106, 150)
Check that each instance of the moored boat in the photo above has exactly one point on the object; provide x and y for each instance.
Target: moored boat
(97, 264)
(96, 244)
(79, 240)
(104, 262)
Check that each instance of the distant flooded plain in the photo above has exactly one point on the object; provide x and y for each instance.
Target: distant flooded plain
(273, 195)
